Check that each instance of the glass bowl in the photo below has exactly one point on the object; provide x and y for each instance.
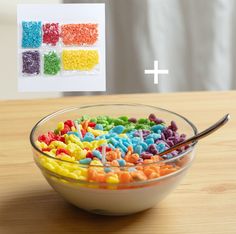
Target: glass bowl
(111, 198)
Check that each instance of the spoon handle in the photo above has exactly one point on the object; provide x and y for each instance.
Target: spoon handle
(198, 136)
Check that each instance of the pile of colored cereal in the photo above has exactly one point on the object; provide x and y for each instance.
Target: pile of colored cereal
(79, 34)
(110, 150)
(82, 60)
(31, 34)
(51, 33)
(31, 62)
(51, 63)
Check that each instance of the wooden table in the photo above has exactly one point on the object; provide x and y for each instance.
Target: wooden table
(205, 202)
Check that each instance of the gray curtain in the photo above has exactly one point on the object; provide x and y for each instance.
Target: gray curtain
(194, 40)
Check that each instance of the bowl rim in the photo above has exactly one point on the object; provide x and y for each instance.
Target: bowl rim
(71, 108)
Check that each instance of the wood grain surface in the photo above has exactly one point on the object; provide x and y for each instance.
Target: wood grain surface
(205, 201)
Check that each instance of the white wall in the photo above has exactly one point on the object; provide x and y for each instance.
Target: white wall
(8, 47)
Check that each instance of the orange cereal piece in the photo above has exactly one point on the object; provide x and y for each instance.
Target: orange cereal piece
(111, 155)
(133, 158)
(79, 34)
(85, 124)
(147, 161)
(138, 175)
(125, 177)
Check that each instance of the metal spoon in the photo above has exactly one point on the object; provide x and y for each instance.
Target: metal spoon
(198, 136)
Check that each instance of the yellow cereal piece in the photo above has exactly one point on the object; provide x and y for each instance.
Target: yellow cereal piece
(96, 163)
(67, 158)
(60, 126)
(82, 60)
(72, 147)
(87, 145)
(73, 176)
(76, 140)
(123, 135)
(49, 166)
(41, 145)
(114, 179)
(73, 129)
(96, 132)
(57, 144)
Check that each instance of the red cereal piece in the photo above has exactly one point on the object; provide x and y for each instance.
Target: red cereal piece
(51, 33)
(44, 138)
(91, 124)
(89, 155)
(46, 149)
(83, 132)
(59, 151)
(69, 122)
(65, 130)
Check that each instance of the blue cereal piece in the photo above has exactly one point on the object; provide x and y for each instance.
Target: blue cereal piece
(88, 137)
(160, 147)
(97, 154)
(144, 145)
(154, 136)
(31, 34)
(123, 147)
(107, 169)
(157, 127)
(113, 141)
(73, 133)
(121, 162)
(85, 161)
(111, 146)
(98, 127)
(149, 141)
(138, 149)
(132, 169)
(118, 129)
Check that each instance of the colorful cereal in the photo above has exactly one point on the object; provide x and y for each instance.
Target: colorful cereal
(79, 34)
(31, 62)
(51, 63)
(110, 151)
(82, 60)
(51, 33)
(31, 34)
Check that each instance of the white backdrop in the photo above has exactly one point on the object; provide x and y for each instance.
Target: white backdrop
(193, 39)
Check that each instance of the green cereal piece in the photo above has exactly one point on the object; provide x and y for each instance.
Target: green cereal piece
(118, 122)
(124, 118)
(56, 131)
(108, 127)
(94, 120)
(109, 119)
(51, 63)
(85, 117)
(152, 123)
(142, 126)
(143, 121)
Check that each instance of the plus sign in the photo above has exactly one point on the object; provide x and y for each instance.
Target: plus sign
(155, 72)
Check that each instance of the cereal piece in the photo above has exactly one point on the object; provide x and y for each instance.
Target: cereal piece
(51, 33)
(79, 34)
(31, 62)
(82, 60)
(31, 34)
(51, 63)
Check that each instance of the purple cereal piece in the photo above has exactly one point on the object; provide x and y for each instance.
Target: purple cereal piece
(152, 117)
(152, 149)
(140, 160)
(170, 143)
(146, 155)
(132, 120)
(183, 135)
(159, 121)
(163, 137)
(169, 132)
(31, 62)
(173, 126)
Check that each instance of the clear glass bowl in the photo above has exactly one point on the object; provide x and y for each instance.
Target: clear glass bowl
(106, 198)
